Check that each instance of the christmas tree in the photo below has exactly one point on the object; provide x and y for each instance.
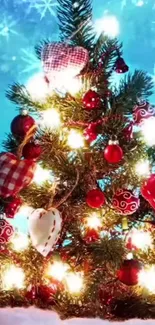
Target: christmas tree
(80, 158)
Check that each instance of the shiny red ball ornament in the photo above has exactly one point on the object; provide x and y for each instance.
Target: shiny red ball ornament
(129, 271)
(92, 131)
(91, 100)
(13, 207)
(125, 202)
(121, 66)
(91, 236)
(142, 112)
(32, 151)
(31, 293)
(21, 124)
(6, 232)
(113, 153)
(95, 198)
(148, 190)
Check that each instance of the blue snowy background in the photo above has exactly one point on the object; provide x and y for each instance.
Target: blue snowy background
(25, 22)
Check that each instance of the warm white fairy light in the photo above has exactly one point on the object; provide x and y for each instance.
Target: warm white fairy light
(51, 118)
(142, 168)
(75, 139)
(146, 278)
(24, 211)
(93, 221)
(38, 87)
(109, 25)
(148, 131)
(13, 277)
(42, 175)
(74, 86)
(141, 239)
(129, 256)
(74, 282)
(20, 242)
(57, 270)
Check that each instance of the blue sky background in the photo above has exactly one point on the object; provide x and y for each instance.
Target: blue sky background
(25, 22)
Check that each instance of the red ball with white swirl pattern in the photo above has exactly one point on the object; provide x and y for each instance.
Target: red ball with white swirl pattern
(142, 112)
(125, 202)
(6, 231)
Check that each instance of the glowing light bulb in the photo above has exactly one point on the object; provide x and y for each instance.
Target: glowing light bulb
(146, 278)
(148, 128)
(74, 86)
(38, 87)
(57, 270)
(24, 211)
(108, 25)
(51, 118)
(141, 239)
(129, 256)
(75, 140)
(42, 175)
(93, 221)
(143, 168)
(20, 242)
(13, 277)
(74, 282)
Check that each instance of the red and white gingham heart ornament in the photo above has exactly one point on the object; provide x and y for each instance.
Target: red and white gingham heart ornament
(15, 174)
(62, 61)
(44, 229)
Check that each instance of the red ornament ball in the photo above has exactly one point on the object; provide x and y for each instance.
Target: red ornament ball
(125, 202)
(13, 207)
(113, 153)
(91, 100)
(6, 232)
(21, 124)
(95, 198)
(129, 271)
(148, 190)
(142, 112)
(32, 151)
(121, 66)
(92, 131)
(91, 236)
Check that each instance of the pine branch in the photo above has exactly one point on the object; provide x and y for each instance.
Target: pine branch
(73, 16)
(132, 87)
(39, 47)
(11, 143)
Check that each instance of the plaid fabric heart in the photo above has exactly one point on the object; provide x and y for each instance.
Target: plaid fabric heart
(63, 61)
(14, 174)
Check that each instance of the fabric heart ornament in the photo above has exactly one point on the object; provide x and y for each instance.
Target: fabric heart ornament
(44, 229)
(62, 62)
(15, 174)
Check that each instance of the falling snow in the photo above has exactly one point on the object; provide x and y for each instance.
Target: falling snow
(7, 26)
(31, 63)
(42, 7)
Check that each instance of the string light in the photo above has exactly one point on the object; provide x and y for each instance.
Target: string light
(24, 211)
(74, 86)
(108, 25)
(75, 140)
(42, 175)
(141, 239)
(20, 242)
(74, 282)
(93, 221)
(147, 129)
(129, 256)
(143, 168)
(146, 278)
(38, 87)
(51, 118)
(13, 277)
(57, 270)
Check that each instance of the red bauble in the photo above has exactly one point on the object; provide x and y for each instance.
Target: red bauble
(13, 207)
(148, 190)
(113, 153)
(142, 112)
(91, 236)
(42, 292)
(91, 100)
(128, 131)
(91, 132)
(32, 151)
(120, 66)
(6, 231)
(129, 271)
(125, 202)
(21, 124)
(95, 198)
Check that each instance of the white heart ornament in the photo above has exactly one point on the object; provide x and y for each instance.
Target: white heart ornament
(44, 229)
